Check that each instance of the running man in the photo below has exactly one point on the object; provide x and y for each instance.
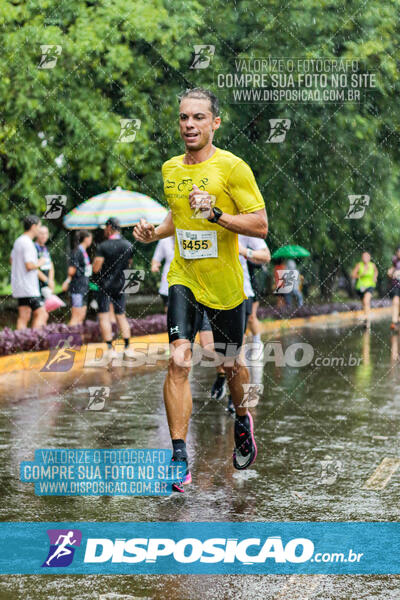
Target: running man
(206, 274)
(366, 274)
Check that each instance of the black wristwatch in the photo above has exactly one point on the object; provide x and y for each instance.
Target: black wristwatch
(217, 214)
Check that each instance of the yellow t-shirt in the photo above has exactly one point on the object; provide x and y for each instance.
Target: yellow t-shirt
(217, 280)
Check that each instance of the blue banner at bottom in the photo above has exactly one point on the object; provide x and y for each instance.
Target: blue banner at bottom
(200, 548)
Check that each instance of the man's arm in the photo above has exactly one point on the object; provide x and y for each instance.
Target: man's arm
(354, 273)
(254, 224)
(97, 264)
(146, 232)
(258, 257)
(31, 266)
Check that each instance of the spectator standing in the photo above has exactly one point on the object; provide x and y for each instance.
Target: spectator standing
(24, 276)
(77, 282)
(113, 256)
(46, 271)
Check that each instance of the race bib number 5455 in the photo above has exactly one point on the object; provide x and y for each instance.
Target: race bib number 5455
(197, 244)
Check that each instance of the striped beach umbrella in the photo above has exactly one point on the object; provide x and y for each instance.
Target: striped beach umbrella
(128, 207)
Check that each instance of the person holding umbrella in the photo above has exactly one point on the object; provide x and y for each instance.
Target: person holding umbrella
(288, 275)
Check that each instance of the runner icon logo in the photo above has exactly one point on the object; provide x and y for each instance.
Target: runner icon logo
(357, 206)
(63, 543)
(49, 56)
(251, 394)
(129, 127)
(202, 56)
(98, 396)
(63, 349)
(279, 129)
(55, 206)
(133, 277)
(287, 278)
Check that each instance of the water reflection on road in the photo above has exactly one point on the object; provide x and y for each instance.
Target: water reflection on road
(321, 431)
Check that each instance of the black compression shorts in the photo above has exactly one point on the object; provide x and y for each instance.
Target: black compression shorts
(185, 317)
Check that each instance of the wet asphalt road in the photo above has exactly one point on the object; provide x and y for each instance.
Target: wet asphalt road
(321, 431)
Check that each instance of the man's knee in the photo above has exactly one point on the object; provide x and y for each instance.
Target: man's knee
(177, 369)
(233, 370)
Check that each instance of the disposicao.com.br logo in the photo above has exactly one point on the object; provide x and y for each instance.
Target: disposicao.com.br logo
(190, 550)
(171, 547)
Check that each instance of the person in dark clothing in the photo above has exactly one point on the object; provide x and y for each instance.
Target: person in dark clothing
(113, 256)
(77, 282)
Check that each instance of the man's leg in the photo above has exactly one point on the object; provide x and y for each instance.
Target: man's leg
(78, 314)
(40, 316)
(367, 305)
(177, 394)
(228, 329)
(118, 302)
(183, 319)
(24, 315)
(105, 327)
(395, 309)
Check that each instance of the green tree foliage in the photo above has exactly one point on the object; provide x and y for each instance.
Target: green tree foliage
(122, 60)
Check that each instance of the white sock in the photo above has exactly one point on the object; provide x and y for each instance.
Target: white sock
(256, 338)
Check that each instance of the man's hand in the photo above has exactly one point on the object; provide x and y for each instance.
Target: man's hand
(200, 201)
(144, 232)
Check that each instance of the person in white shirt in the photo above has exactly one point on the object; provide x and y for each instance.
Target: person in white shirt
(24, 276)
(164, 252)
(256, 251)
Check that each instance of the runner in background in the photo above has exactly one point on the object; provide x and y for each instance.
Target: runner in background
(256, 251)
(394, 274)
(77, 281)
(164, 251)
(366, 274)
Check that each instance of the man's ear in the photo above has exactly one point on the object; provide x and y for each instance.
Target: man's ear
(216, 124)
